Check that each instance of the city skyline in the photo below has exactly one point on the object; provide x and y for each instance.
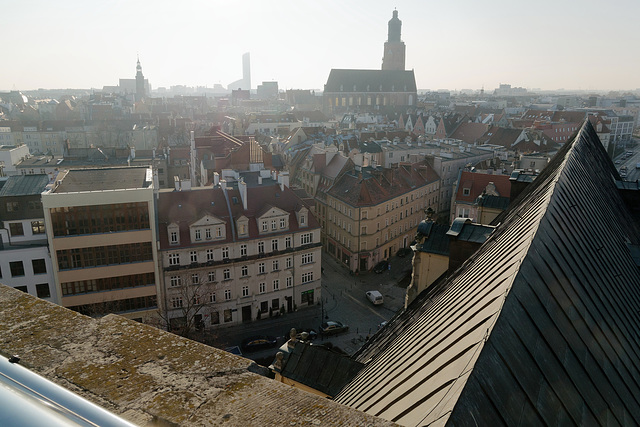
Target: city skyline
(465, 45)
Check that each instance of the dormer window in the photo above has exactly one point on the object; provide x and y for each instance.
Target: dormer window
(303, 220)
(174, 234)
(208, 226)
(466, 191)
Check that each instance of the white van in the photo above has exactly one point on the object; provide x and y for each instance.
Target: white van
(375, 297)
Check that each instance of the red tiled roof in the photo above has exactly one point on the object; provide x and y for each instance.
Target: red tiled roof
(370, 189)
(476, 183)
(186, 207)
(470, 132)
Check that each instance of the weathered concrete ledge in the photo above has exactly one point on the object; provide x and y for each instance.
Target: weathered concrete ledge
(152, 377)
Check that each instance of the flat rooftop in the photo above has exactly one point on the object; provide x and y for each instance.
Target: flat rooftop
(102, 179)
(152, 377)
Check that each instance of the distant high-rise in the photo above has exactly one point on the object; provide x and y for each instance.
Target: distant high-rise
(140, 86)
(246, 70)
(245, 82)
(394, 48)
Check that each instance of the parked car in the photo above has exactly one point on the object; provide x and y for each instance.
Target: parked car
(375, 297)
(381, 267)
(618, 162)
(332, 327)
(258, 342)
(312, 334)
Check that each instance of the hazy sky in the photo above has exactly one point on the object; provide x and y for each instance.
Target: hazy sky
(453, 44)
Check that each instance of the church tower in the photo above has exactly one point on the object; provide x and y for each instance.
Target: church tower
(394, 48)
(139, 83)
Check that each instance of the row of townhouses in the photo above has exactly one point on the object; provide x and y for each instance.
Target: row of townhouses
(105, 240)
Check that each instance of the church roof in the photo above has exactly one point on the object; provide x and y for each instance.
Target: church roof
(540, 324)
(374, 81)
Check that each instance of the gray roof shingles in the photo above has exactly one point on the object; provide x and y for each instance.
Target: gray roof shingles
(542, 323)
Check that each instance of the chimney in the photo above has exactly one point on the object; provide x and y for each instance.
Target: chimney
(259, 179)
(283, 180)
(242, 188)
(133, 153)
(216, 179)
(176, 182)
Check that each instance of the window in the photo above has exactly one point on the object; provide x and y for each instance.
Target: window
(274, 224)
(276, 265)
(39, 266)
(289, 282)
(198, 234)
(307, 258)
(306, 238)
(265, 226)
(173, 237)
(13, 206)
(228, 315)
(260, 247)
(212, 297)
(307, 277)
(207, 233)
(466, 191)
(245, 291)
(219, 231)
(175, 281)
(274, 245)
(176, 302)
(226, 274)
(174, 259)
(244, 271)
(303, 219)
(243, 250)
(209, 254)
(262, 287)
(42, 290)
(16, 229)
(227, 294)
(283, 223)
(264, 306)
(276, 285)
(195, 279)
(225, 252)
(22, 288)
(261, 269)
(212, 276)
(193, 256)
(17, 268)
(287, 242)
(37, 227)
(289, 262)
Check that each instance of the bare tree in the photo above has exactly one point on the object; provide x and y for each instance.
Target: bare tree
(187, 293)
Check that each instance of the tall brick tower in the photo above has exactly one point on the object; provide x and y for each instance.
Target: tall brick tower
(140, 92)
(394, 48)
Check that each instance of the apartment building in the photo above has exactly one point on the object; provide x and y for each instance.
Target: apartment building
(25, 262)
(102, 237)
(371, 213)
(237, 252)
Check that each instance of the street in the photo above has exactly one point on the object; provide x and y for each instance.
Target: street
(343, 300)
